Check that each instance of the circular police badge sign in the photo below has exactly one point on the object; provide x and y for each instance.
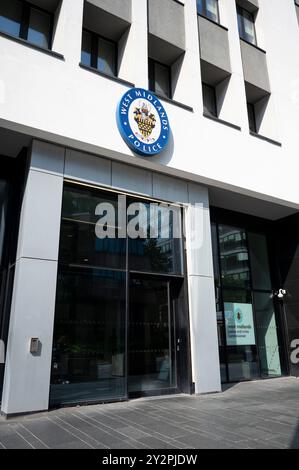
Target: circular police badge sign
(143, 122)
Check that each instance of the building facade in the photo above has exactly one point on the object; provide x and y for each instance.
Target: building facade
(89, 319)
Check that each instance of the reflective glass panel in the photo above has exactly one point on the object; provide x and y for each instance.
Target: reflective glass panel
(151, 351)
(39, 28)
(86, 213)
(89, 336)
(242, 353)
(200, 6)
(234, 256)
(249, 28)
(267, 333)
(86, 49)
(209, 100)
(162, 80)
(10, 17)
(212, 10)
(260, 271)
(158, 248)
(106, 57)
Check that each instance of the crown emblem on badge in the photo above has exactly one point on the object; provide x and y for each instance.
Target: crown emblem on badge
(146, 121)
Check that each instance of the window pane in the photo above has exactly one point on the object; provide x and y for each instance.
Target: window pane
(240, 336)
(209, 100)
(86, 49)
(240, 22)
(260, 271)
(106, 57)
(212, 10)
(249, 29)
(251, 117)
(234, 256)
(162, 80)
(89, 337)
(161, 252)
(267, 333)
(10, 17)
(79, 242)
(200, 7)
(39, 28)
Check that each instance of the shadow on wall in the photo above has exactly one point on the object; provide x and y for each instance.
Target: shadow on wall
(166, 156)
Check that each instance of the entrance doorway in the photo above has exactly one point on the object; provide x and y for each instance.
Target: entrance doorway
(152, 365)
(121, 312)
(250, 324)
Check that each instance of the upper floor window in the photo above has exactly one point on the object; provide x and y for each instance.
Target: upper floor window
(26, 21)
(246, 25)
(209, 9)
(99, 53)
(209, 100)
(160, 78)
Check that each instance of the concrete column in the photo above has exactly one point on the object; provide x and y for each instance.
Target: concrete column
(133, 65)
(202, 308)
(27, 375)
(68, 30)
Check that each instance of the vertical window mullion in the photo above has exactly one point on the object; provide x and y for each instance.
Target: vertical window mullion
(25, 21)
(94, 50)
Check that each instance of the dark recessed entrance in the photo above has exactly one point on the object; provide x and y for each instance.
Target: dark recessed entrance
(251, 327)
(121, 311)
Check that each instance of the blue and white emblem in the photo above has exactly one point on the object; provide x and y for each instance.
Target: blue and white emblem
(143, 122)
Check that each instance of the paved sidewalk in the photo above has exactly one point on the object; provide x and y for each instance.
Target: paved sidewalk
(262, 414)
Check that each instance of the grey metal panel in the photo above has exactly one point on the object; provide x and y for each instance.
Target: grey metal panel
(250, 5)
(167, 22)
(120, 8)
(214, 45)
(106, 21)
(163, 51)
(255, 67)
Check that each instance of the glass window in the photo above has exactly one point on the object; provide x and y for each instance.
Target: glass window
(161, 253)
(39, 28)
(209, 100)
(106, 61)
(160, 78)
(86, 49)
(234, 257)
(88, 362)
(260, 270)
(212, 10)
(208, 8)
(251, 117)
(200, 6)
(246, 25)
(267, 333)
(10, 17)
(79, 243)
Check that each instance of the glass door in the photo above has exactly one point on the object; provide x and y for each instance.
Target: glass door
(247, 317)
(151, 338)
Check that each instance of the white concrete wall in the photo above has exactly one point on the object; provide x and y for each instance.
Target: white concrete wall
(202, 309)
(58, 101)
